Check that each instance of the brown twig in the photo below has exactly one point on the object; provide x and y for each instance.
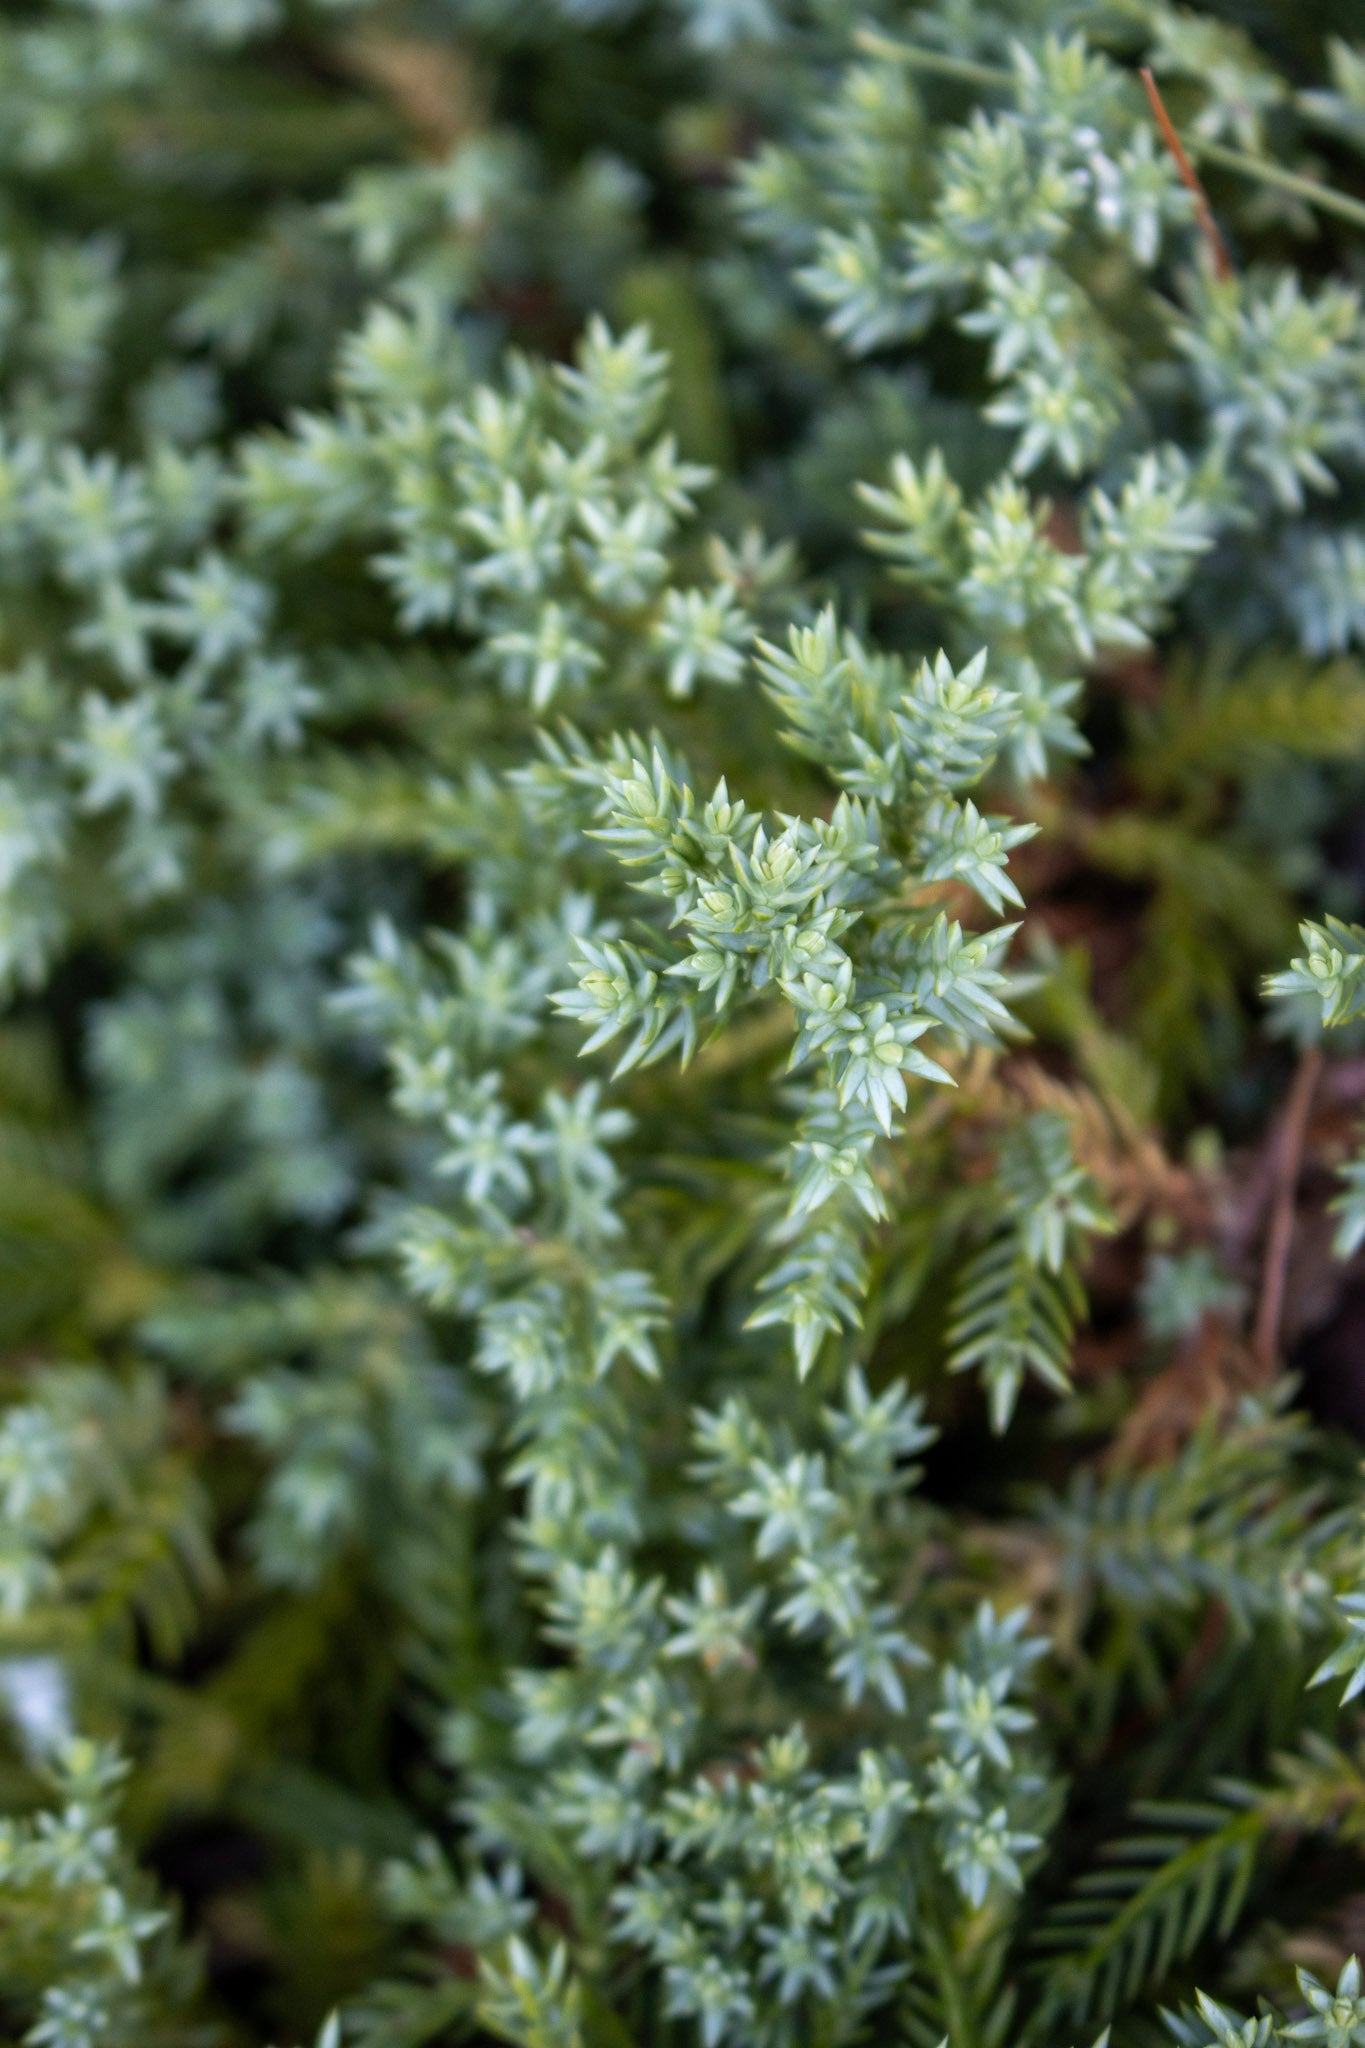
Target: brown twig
(1289, 1157)
(1189, 178)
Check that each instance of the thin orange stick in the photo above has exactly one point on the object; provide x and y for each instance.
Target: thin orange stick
(1279, 1238)
(1189, 178)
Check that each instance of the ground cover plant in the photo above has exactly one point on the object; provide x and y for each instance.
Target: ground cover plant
(682, 727)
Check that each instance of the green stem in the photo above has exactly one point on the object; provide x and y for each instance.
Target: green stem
(1325, 197)
(993, 78)
(961, 2024)
(917, 58)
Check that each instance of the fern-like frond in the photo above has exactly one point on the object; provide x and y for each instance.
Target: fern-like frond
(1228, 1519)
(1012, 1318)
(1149, 1903)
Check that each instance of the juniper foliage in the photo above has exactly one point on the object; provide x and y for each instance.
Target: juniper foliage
(666, 668)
